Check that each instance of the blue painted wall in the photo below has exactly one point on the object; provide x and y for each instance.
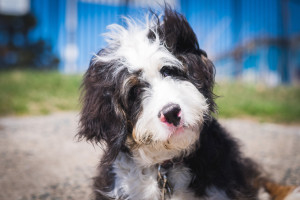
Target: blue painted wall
(50, 15)
(221, 26)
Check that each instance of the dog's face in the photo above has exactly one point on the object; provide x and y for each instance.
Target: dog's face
(149, 91)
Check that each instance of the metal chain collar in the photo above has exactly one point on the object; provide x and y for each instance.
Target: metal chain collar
(163, 183)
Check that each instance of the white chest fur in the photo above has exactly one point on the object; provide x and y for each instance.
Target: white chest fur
(135, 183)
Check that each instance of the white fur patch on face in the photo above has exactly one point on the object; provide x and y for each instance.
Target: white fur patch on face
(169, 143)
(162, 92)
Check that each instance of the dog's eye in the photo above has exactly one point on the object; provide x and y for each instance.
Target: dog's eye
(171, 71)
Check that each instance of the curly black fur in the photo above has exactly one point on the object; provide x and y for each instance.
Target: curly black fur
(218, 162)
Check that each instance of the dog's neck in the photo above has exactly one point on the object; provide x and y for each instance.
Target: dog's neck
(171, 163)
(147, 156)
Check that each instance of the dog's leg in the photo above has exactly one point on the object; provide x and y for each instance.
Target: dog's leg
(281, 192)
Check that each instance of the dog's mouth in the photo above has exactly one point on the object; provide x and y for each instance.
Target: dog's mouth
(173, 131)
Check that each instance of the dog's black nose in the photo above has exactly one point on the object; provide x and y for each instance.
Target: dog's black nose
(171, 114)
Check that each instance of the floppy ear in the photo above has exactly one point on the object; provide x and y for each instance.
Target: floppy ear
(178, 34)
(201, 72)
(102, 117)
(182, 41)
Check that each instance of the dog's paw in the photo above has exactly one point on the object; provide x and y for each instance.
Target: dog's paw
(263, 194)
(294, 194)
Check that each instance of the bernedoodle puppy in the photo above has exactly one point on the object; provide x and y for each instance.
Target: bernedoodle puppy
(148, 98)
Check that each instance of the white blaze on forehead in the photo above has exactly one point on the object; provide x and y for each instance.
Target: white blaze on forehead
(132, 47)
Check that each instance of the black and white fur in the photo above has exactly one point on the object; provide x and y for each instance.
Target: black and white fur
(145, 70)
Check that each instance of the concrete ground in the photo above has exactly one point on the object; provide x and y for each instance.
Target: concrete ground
(41, 159)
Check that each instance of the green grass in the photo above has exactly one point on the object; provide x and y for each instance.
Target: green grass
(36, 92)
(279, 104)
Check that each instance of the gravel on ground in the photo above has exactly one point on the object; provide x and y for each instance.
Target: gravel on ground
(40, 158)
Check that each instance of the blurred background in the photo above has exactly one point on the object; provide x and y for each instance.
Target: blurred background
(253, 43)
(46, 46)
(255, 40)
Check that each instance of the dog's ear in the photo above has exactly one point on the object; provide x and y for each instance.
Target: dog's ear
(178, 34)
(201, 72)
(182, 42)
(102, 117)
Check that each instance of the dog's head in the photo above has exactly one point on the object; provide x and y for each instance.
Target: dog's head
(149, 90)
